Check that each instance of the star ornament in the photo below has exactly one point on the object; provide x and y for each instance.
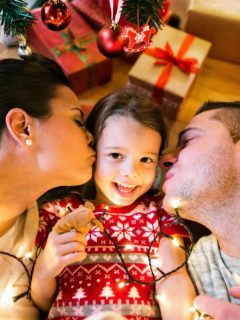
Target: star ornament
(137, 40)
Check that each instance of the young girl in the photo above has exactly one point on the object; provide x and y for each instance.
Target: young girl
(115, 275)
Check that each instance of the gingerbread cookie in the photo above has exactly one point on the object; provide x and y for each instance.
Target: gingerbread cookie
(81, 219)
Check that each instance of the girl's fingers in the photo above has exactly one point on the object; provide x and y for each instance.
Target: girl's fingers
(73, 257)
(70, 236)
(70, 247)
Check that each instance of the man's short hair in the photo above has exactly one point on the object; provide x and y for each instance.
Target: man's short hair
(229, 115)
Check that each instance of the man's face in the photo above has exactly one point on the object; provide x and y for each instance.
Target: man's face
(204, 170)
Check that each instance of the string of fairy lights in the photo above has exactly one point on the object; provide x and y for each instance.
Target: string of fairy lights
(9, 297)
(187, 248)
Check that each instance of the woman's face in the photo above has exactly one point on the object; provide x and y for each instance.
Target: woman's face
(63, 151)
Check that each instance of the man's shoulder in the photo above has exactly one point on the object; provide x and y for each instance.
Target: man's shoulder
(205, 242)
(204, 249)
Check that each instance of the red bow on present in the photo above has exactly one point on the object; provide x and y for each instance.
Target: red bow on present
(166, 57)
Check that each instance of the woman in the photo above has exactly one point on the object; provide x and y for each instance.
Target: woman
(43, 144)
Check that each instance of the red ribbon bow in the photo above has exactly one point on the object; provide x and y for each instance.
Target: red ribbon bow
(166, 57)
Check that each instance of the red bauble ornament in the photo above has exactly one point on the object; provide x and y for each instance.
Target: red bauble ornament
(109, 41)
(55, 15)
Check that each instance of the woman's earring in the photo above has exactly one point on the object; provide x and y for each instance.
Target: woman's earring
(28, 142)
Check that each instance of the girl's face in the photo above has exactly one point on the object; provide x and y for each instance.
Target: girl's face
(127, 158)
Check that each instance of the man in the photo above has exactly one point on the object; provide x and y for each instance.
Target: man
(220, 310)
(203, 174)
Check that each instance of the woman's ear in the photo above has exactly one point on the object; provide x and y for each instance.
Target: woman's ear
(18, 126)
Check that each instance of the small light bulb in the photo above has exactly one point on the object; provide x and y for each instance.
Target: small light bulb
(28, 255)
(121, 284)
(175, 203)
(7, 297)
(161, 298)
(62, 212)
(175, 242)
(129, 247)
(192, 309)
(20, 251)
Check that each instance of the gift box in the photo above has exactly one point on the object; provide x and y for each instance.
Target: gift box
(95, 15)
(181, 9)
(74, 49)
(167, 69)
(219, 22)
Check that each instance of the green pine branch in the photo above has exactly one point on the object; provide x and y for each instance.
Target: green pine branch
(15, 17)
(140, 12)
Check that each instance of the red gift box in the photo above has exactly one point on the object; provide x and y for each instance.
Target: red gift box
(74, 49)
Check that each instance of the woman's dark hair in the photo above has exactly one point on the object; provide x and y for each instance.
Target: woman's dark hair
(28, 84)
(127, 102)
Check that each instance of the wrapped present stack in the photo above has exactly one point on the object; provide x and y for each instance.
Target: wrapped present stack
(217, 21)
(168, 69)
(74, 49)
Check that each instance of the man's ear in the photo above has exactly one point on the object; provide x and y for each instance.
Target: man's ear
(18, 125)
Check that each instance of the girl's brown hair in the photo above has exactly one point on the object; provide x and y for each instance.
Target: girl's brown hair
(127, 102)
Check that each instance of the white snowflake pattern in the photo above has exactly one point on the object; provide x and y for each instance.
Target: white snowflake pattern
(123, 231)
(117, 308)
(96, 309)
(62, 311)
(149, 273)
(150, 230)
(78, 311)
(94, 234)
(133, 310)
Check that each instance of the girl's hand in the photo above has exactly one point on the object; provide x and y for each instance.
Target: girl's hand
(60, 251)
(66, 243)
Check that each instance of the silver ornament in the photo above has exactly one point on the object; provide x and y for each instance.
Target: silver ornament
(23, 49)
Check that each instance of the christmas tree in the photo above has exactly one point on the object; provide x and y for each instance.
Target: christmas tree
(15, 16)
(107, 292)
(133, 293)
(140, 12)
(79, 294)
